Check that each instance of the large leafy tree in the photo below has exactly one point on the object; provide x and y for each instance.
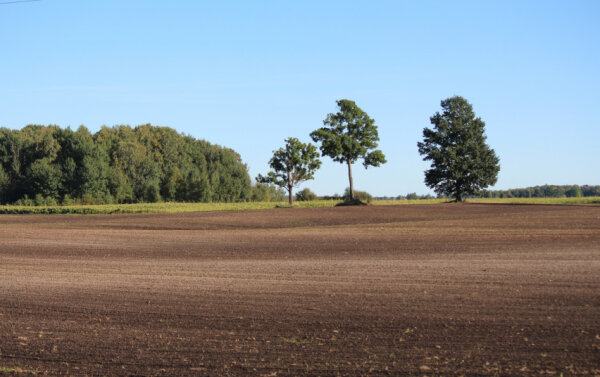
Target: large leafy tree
(462, 163)
(349, 135)
(292, 165)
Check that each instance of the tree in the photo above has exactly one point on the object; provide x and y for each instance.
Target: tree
(43, 178)
(462, 163)
(292, 165)
(349, 135)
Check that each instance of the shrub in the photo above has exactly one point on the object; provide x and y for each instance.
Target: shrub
(262, 192)
(108, 199)
(39, 200)
(412, 196)
(67, 200)
(306, 195)
(362, 196)
(26, 201)
(50, 201)
(87, 198)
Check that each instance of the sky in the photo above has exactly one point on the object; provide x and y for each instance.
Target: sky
(249, 74)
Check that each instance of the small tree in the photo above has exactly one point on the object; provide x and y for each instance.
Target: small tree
(292, 165)
(349, 135)
(461, 162)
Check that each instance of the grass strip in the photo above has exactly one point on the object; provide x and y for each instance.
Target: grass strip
(167, 207)
(170, 207)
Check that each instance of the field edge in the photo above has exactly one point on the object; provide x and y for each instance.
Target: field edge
(175, 207)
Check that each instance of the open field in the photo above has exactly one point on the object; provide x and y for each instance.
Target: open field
(441, 289)
(172, 207)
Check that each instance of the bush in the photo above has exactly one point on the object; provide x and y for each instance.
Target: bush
(332, 197)
(39, 200)
(89, 199)
(412, 196)
(50, 201)
(67, 200)
(108, 199)
(305, 195)
(27, 201)
(262, 192)
(362, 196)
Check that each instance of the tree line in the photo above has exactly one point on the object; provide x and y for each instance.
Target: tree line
(545, 191)
(121, 164)
(49, 165)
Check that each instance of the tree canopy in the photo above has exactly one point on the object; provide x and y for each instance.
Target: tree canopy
(349, 135)
(117, 165)
(293, 164)
(462, 164)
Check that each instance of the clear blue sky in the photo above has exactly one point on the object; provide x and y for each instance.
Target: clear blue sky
(248, 74)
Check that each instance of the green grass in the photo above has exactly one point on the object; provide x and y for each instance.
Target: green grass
(15, 370)
(105, 209)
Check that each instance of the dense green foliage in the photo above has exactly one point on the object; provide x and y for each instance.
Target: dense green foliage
(362, 196)
(48, 165)
(306, 195)
(349, 135)
(546, 191)
(263, 192)
(415, 196)
(462, 164)
(291, 165)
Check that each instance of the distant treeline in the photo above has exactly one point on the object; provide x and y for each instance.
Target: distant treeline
(49, 165)
(410, 196)
(545, 191)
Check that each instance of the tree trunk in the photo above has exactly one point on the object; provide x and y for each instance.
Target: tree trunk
(458, 189)
(350, 178)
(290, 188)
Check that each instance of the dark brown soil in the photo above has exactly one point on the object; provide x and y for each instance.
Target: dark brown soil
(451, 289)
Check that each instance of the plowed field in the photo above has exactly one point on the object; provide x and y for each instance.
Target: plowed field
(474, 290)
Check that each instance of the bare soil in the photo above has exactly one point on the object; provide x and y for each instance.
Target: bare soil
(449, 289)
